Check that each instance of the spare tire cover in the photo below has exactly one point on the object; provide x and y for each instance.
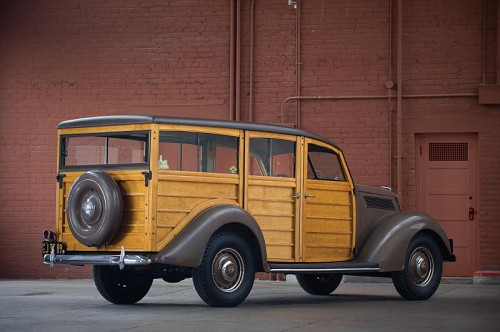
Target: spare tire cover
(94, 208)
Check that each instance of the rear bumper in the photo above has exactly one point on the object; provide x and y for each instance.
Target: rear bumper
(121, 260)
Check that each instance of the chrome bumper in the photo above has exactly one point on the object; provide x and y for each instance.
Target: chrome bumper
(121, 260)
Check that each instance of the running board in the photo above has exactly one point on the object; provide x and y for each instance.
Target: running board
(342, 267)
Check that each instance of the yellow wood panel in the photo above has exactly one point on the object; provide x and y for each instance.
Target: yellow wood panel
(274, 210)
(323, 254)
(199, 190)
(328, 211)
(276, 253)
(180, 224)
(181, 196)
(276, 223)
(328, 240)
(133, 233)
(169, 219)
(177, 204)
(328, 225)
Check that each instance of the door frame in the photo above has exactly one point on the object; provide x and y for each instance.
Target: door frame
(474, 138)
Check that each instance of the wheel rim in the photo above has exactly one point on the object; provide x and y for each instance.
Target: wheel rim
(228, 270)
(421, 266)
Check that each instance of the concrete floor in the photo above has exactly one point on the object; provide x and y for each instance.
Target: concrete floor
(75, 305)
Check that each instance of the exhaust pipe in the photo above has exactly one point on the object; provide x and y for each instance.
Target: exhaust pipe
(49, 236)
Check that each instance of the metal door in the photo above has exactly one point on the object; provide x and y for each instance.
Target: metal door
(446, 190)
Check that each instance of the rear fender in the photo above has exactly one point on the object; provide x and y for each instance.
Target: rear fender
(188, 247)
(388, 244)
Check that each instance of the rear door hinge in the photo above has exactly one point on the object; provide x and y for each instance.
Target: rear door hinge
(59, 179)
(148, 175)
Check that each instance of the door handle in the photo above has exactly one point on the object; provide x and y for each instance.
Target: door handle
(310, 196)
(296, 196)
(472, 212)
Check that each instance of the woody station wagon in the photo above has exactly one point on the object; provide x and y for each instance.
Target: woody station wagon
(143, 197)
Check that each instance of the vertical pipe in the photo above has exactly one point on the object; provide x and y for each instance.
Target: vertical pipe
(250, 83)
(389, 86)
(297, 65)
(498, 42)
(399, 97)
(238, 62)
(483, 46)
(231, 61)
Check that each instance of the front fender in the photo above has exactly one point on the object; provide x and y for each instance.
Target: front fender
(388, 244)
(188, 247)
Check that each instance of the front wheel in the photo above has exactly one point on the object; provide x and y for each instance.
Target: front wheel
(121, 286)
(227, 271)
(319, 284)
(421, 275)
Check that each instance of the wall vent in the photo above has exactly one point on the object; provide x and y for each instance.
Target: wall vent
(448, 152)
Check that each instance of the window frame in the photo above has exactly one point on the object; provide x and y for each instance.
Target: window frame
(106, 135)
(208, 151)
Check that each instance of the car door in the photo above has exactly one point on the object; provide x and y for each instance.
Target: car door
(328, 223)
(272, 184)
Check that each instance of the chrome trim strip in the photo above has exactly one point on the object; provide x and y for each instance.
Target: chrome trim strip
(327, 270)
(121, 260)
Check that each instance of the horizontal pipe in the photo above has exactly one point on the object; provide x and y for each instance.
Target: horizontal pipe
(370, 97)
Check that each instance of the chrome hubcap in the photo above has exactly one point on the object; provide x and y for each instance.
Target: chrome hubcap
(228, 270)
(91, 209)
(421, 266)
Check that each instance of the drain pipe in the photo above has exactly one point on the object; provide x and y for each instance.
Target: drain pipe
(399, 100)
(231, 59)
(250, 83)
(234, 61)
(238, 62)
(389, 85)
(298, 64)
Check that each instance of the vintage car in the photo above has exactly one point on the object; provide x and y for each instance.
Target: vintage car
(145, 197)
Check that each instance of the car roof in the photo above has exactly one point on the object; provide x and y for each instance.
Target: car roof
(116, 120)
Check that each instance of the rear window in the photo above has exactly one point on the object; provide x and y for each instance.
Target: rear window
(124, 149)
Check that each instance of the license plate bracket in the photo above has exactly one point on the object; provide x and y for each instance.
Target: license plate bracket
(47, 247)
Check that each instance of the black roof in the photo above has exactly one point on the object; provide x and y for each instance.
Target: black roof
(116, 120)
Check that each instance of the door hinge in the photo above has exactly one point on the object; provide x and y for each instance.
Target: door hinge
(59, 179)
(148, 175)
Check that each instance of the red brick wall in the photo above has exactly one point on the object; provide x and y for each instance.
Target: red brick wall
(67, 59)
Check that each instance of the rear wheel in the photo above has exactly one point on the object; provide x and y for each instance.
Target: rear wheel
(227, 271)
(319, 284)
(121, 286)
(421, 275)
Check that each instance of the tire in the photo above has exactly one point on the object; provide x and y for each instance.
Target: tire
(227, 271)
(94, 208)
(319, 284)
(421, 275)
(121, 286)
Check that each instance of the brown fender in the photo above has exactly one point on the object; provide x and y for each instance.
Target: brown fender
(187, 248)
(388, 244)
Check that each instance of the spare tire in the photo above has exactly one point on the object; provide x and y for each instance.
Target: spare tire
(94, 209)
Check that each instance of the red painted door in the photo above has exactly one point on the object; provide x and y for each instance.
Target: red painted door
(446, 190)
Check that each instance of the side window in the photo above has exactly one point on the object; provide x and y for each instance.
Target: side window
(198, 152)
(324, 164)
(272, 157)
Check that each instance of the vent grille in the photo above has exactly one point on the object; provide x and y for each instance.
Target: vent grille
(379, 203)
(448, 152)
